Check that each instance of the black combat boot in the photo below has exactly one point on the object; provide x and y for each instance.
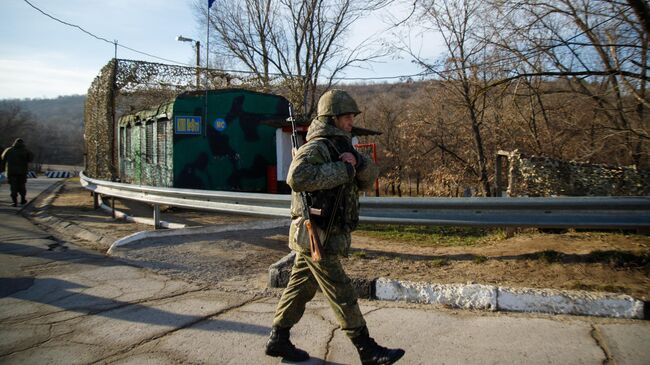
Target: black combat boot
(373, 354)
(14, 201)
(23, 201)
(280, 345)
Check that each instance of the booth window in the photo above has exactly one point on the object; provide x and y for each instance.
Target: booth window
(122, 142)
(127, 141)
(161, 141)
(149, 142)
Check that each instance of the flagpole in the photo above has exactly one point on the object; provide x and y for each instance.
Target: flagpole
(207, 64)
(207, 44)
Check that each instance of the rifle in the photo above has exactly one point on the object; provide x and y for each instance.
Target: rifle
(315, 245)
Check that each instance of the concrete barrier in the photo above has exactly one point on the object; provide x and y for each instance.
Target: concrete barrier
(470, 296)
(569, 302)
(485, 297)
(60, 174)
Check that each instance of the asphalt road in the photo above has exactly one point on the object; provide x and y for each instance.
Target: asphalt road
(63, 304)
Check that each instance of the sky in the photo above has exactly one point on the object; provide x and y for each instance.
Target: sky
(42, 58)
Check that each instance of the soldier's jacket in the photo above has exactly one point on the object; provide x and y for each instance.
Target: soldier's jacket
(16, 159)
(314, 169)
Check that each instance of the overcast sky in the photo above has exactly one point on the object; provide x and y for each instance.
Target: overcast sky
(42, 58)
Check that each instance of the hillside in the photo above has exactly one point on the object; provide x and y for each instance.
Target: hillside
(52, 128)
(64, 110)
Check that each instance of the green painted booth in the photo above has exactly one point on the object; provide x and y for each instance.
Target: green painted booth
(227, 143)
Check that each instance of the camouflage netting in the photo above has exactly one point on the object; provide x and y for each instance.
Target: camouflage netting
(98, 124)
(125, 86)
(543, 176)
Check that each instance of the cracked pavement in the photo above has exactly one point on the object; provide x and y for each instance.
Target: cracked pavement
(61, 303)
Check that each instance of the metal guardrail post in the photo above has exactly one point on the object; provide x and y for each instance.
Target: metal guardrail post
(156, 216)
(113, 206)
(95, 200)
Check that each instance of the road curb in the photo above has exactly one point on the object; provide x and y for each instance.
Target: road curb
(139, 236)
(470, 296)
(569, 302)
(485, 297)
(36, 211)
(488, 297)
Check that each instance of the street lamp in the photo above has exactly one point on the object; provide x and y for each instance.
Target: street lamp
(197, 44)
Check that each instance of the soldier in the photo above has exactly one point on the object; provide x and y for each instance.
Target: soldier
(2, 166)
(329, 169)
(15, 160)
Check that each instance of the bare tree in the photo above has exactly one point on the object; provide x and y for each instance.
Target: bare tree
(459, 23)
(14, 122)
(599, 48)
(385, 113)
(300, 42)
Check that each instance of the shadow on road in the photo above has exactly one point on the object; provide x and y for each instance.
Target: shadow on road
(67, 296)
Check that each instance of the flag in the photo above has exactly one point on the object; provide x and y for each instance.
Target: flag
(210, 3)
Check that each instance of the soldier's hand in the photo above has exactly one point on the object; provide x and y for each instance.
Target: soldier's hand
(348, 157)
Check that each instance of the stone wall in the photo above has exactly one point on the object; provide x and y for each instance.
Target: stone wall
(543, 176)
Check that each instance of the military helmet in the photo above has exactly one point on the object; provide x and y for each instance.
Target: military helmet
(336, 102)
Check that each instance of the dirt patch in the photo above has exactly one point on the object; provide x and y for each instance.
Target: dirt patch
(575, 260)
(229, 259)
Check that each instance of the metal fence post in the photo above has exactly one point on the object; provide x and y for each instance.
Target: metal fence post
(95, 200)
(156, 216)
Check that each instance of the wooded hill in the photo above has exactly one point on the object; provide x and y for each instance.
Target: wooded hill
(51, 128)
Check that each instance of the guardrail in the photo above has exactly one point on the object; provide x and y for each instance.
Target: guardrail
(556, 212)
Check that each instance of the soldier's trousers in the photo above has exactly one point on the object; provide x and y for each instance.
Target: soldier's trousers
(328, 275)
(17, 186)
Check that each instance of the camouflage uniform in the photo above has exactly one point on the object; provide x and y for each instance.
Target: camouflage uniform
(313, 169)
(327, 168)
(15, 160)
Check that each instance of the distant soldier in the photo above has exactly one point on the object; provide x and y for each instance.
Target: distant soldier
(2, 169)
(15, 160)
(329, 169)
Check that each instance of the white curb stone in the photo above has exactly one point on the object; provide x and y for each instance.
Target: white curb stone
(569, 302)
(476, 296)
(471, 296)
(254, 225)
